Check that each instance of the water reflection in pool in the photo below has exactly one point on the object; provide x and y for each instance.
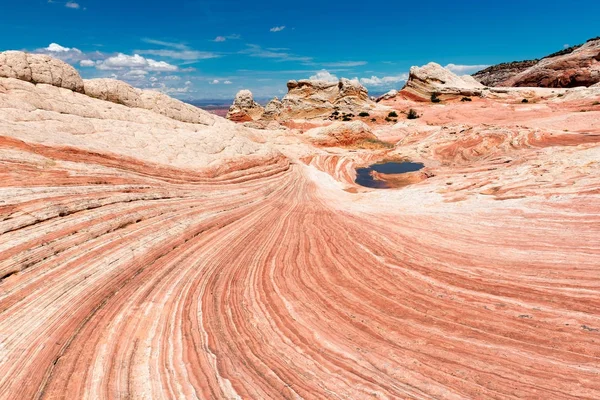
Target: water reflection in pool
(364, 177)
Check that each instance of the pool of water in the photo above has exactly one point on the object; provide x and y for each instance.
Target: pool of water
(364, 178)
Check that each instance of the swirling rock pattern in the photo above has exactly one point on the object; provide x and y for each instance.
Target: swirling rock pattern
(245, 269)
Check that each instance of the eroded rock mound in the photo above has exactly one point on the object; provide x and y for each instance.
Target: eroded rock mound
(39, 68)
(341, 134)
(308, 99)
(244, 108)
(314, 98)
(578, 68)
(432, 78)
(114, 91)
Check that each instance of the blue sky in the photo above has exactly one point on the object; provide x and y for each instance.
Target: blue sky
(196, 49)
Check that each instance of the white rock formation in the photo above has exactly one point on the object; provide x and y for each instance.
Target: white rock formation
(39, 68)
(433, 78)
(244, 108)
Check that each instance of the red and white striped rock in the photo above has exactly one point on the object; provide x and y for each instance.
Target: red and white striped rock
(144, 257)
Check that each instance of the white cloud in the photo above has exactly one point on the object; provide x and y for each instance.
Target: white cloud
(277, 28)
(465, 69)
(87, 63)
(383, 81)
(220, 39)
(122, 61)
(57, 48)
(72, 4)
(215, 82)
(324, 75)
(227, 82)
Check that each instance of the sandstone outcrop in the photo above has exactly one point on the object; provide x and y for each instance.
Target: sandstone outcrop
(39, 68)
(244, 108)
(387, 96)
(432, 78)
(114, 91)
(145, 257)
(579, 68)
(311, 99)
(317, 99)
(341, 134)
(162, 104)
(496, 74)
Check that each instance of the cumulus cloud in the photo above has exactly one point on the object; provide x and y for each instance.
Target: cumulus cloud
(72, 4)
(87, 63)
(57, 48)
(324, 75)
(383, 81)
(67, 54)
(123, 61)
(227, 82)
(220, 39)
(277, 28)
(465, 69)
(215, 82)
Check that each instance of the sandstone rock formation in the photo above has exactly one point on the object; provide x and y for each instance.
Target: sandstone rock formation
(572, 67)
(114, 91)
(39, 68)
(387, 96)
(145, 257)
(162, 104)
(341, 134)
(314, 99)
(496, 74)
(310, 99)
(432, 78)
(244, 108)
(579, 68)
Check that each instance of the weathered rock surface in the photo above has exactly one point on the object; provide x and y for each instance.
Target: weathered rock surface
(387, 96)
(39, 68)
(578, 68)
(144, 257)
(433, 78)
(244, 108)
(341, 134)
(317, 99)
(496, 74)
(311, 99)
(114, 91)
(178, 110)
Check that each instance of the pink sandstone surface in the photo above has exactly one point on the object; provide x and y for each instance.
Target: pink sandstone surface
(147, 253)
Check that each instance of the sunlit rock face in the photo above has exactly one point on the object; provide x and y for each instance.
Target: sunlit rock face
(579, 68)
(244, 108)
(148, 253)
(433, 79)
